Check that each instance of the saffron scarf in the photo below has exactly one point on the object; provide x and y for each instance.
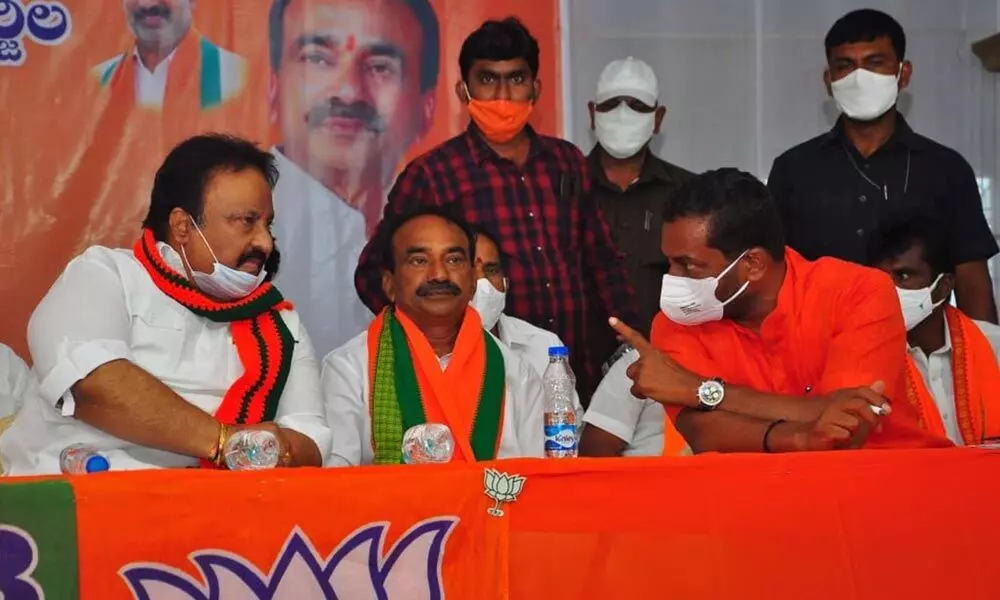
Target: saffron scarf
(263, 341)
(408, 387)
(193, 78)
(976, 382)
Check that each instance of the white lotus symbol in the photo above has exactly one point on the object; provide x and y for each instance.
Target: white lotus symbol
(358, 567)
(502, 488)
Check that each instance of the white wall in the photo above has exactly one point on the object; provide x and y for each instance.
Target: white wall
(741, 79)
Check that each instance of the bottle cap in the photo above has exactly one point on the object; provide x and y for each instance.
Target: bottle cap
(558, 351)
(96, 464)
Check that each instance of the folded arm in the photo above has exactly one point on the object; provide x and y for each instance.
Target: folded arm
(124, 400)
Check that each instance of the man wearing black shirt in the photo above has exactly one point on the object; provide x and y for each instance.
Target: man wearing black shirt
(835, 189)
(631, 185)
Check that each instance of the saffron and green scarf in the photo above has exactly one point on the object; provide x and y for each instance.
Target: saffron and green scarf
(409, 388)
(263, 341)
(976, 381)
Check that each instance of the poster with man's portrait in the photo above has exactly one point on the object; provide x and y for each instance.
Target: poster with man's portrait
(342, 92)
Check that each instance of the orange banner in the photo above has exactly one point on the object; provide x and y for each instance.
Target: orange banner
(859, 525)
(87, 118)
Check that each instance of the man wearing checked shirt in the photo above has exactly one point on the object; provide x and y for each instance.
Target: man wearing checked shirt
(533, 190)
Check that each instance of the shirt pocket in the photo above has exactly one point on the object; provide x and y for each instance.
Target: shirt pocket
(650, 248)
(158, 340)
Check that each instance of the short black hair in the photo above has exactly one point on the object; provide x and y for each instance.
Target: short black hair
(866, 25)
(895, 236)
(482, 231)
(499, 40)
(430, 49)
(386, 231)
(741, 214)
(181, 180)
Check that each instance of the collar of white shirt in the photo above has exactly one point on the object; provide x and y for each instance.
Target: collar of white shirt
(511, 333)
(163, 66)
(942, 351)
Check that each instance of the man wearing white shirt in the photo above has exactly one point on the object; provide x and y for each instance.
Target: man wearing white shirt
(952, 367)
(352, 89)
(156, 355)
(433, 361)
(530, 343)
(618, 423)
(15, 378)
(164, 40)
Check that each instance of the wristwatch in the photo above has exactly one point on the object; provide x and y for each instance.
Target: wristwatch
(711, 393)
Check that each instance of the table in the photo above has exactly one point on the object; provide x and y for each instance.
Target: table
(847, 525)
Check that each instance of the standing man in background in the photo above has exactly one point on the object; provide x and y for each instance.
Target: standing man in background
(631, 185)
(835, 189)
(352, 88)
(532, 190)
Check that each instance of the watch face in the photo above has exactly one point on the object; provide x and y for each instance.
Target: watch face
(711, 393)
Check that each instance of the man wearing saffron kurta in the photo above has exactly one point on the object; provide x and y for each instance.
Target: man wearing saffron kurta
(427, 359)
(155, 355)
(952, 373)
(170, 63)
(760, 350)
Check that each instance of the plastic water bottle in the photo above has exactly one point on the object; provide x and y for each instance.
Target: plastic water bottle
(560, 414)
(428, 443)
(252, 450)
(79, 459)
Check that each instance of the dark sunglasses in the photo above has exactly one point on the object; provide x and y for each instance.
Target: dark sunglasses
(636, 105)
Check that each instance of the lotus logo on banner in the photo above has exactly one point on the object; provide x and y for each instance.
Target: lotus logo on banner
(45, 23)
(355, 569)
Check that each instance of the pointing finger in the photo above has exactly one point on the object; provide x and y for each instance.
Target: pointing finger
(630, 336)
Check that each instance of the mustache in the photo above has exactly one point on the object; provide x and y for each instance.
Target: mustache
(157, 10)
(257, 255)
(438, 287)
(361, 111)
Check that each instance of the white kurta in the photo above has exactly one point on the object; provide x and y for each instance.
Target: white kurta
(613, 408)
(531, 344)
(940, 380)
(15, 378)
(346, 391)
(321, 238)
(105, 307)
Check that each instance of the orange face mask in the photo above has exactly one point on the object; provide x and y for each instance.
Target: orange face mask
(499, 120)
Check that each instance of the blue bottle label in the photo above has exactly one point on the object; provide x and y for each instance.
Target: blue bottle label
(560, 437)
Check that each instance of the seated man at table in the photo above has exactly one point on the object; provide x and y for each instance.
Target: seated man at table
(952, 371)
(154, 355)
(619, 424)
(760, 350)
(427, 359)
(531, 344)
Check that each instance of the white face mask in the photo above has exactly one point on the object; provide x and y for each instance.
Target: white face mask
(489, 302)
(223, 283)
(622, 132)
(688, 301)
(866, 96)
(917, 305)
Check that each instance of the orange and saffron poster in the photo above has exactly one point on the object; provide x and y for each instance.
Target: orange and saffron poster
(89, 113)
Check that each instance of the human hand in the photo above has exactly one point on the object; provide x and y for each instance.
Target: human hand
(848, 416)
(655, 375)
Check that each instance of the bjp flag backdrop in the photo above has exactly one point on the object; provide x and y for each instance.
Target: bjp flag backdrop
(343, 93)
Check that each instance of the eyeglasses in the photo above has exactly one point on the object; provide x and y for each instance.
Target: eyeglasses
(636, 105)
